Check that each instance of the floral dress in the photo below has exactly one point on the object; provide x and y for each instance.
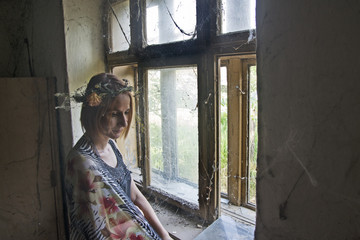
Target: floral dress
(98, 207)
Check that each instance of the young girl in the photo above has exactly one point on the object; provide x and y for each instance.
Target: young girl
(103, 200)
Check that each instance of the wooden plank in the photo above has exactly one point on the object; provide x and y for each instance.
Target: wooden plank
(235, 130)
(28, 143)
(209, 194)
(245, 129)
(144, 130)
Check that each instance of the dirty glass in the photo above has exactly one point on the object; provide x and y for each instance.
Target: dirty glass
(223, 132)
(119, 26)
(237, 15)
(173, 131)
(170, 20)
(253, 134)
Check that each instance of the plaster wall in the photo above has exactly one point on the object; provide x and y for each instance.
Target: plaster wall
(85, 50)
(308, 183)
(41, 23)
(14, 29)
(47, 25)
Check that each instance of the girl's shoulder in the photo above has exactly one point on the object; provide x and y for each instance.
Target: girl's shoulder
(82, 154)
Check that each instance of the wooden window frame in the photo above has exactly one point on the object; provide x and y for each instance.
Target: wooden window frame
(238, 127)
(204, 52)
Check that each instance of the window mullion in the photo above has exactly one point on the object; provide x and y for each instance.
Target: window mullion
(209, 192)
(246, 130)
(137, 25)
(143, 129)
(235, 131)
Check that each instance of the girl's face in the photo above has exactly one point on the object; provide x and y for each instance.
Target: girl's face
(116, 119)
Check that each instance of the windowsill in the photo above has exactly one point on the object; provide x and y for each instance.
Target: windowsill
(179, 223)
(167, 198)
(184, 194)
(238, 213)
(183, 225)
(180, 190)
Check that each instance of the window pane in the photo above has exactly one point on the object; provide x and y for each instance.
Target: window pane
(253, 134)
(237, 15)
(120, 26)
(223, 132)
(161, 16)
(173, 129)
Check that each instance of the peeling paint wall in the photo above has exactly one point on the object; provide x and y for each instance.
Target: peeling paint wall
(47, 26)
(41, 23)
(85, 52)
(308, 182)
(14, 29)
(32, 44)
(30, 199)
(44, 53)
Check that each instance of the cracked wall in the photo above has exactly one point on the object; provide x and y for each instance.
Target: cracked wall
(309, 112)
(85, 52)
(32, 45)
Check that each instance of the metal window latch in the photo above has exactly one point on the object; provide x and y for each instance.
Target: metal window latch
(239, 177)
(241, 91)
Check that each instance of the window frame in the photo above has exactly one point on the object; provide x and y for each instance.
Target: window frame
(238, 127)
(204, 52)
(143, 120)
(246, 64)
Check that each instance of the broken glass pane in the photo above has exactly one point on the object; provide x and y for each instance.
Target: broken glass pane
(170, 20)
(119, 26)
(237, 15)
(173, 131)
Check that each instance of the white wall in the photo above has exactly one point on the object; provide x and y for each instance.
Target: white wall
(85, 53)
(308, 182)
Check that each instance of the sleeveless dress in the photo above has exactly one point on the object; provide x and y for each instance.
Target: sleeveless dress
(120, 173)
(98, 197)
